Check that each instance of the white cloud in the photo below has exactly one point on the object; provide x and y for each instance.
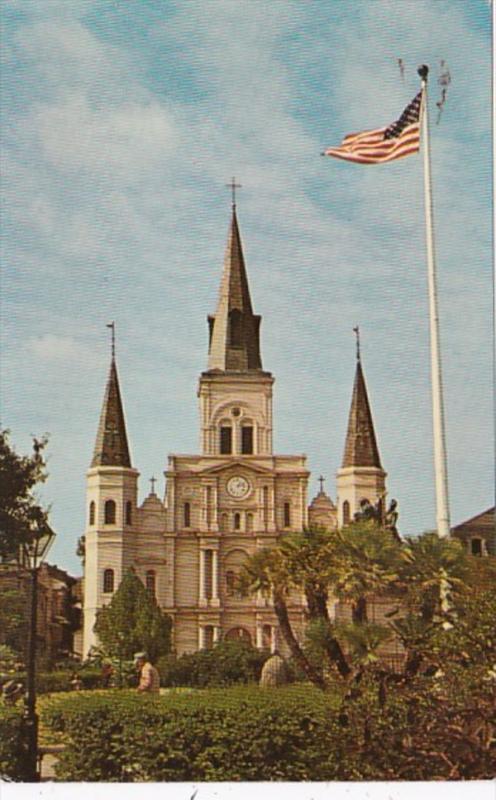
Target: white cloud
(62, 349)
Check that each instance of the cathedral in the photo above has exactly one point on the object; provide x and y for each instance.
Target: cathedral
(223, 504)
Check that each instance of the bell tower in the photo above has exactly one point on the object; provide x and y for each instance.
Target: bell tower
(111, 507)
(235, 393)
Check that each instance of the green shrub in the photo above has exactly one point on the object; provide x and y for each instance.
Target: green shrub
(436, 727)
(213, 735)
(60, 680)
(12, 754)
(226, 664)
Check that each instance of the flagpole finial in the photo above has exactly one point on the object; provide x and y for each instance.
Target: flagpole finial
(423, 71)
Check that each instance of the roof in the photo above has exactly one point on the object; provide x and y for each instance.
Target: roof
(234, 330)
(111, 448)
(360, 447)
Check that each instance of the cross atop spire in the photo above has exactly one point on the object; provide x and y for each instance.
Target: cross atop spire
(356, 331)
(111, 325)
(321, 481)
(233, 186)
(153, 481)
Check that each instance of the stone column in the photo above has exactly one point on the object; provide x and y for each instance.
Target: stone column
(273, 639)
(259, 637)
(201, 637)
(215, 574)
(216, 633)
(201, 588)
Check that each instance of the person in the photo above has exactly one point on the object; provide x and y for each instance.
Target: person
(11, 692)
(149, 679)
(107, 672)
(76, 682)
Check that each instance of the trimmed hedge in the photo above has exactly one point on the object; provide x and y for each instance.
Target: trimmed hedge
(243, 734)
(60, 680)
(439, 727)
(12, 755)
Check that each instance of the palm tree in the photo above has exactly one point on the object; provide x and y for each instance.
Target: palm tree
(266, 572)
(366, 563)
(310, 562)
(432, 570)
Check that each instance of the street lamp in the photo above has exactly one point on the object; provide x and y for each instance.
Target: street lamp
(32, 553)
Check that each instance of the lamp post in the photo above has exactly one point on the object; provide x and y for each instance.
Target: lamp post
(32, 554)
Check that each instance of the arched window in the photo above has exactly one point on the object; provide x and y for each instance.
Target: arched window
(267, 637)
(92, 513)
(109, 512)
(225, 443)
(237, 521)
(476, 547)
(235, 328)
(108, 581)
(346, 512)
(249, 522)
(129, 512)
(287, 515)
(150, 582)
(247, 440)
(208, 637)
(187, 515)
(224, 522)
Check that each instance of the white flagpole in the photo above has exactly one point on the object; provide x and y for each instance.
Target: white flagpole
(440, 461)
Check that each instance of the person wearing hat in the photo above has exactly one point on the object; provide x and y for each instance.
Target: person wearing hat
(149, 679)
(11, 691)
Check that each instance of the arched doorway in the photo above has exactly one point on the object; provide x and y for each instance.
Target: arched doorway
(238, 634)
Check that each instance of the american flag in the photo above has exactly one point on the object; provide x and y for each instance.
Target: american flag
(397, 140)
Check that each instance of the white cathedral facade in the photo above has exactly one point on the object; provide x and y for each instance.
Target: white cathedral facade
(223, 504)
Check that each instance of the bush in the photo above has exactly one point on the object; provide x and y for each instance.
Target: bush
(436, 727)
(12, 755)
(240, 734)
(226, 664)
(60, 680)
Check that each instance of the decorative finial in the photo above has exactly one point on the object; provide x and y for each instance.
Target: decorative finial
(153, 481)
(111, 325)
(321, 481)
(233, 186)
(423, 71)
(356, 331)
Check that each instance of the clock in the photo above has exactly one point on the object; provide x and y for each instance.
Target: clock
(238, 487)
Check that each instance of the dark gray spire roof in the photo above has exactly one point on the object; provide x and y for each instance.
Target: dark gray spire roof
(234, 330)
(361, 447)
(111, 448)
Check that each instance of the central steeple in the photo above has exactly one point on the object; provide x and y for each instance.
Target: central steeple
(234, 330)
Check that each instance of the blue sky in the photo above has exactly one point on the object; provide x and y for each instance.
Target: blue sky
(122, 123)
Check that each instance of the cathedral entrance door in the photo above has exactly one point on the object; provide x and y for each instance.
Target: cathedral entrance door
(238, 634)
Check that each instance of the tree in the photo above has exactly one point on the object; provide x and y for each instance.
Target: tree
(266, 571)
(13, 619)
(21, 516)
(132, 621)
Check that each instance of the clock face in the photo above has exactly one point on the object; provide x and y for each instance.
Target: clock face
(238, 487)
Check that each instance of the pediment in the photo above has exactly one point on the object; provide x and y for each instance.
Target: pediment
(236, 464)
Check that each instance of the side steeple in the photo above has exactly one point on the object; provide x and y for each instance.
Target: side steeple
(361, 476)
(111, 447)
(360, 448)
(234, 330)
